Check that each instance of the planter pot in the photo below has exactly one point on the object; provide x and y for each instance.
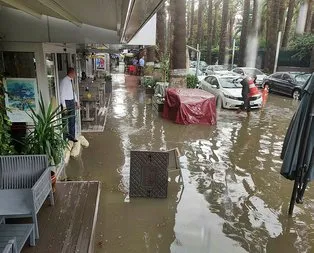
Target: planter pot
(149, 91)
(53, 181)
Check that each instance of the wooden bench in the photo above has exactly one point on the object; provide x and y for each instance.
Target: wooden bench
(14, 236)
(24, 186)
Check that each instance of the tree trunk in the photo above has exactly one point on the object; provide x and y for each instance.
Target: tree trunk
(272, 28)
(290, 13)
(308, 24)
(150, 54)
(223, 32)
(255, 13)
(282, 10)
(209, 31)
(312, 26)
(161, 31)
(215, 28)
(178, 57)
(199, 22)
(312, 61)
(244, 32)
(192, 22)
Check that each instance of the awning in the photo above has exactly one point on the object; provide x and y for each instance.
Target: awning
(115, 20)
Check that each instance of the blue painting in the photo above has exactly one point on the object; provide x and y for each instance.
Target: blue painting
(21, 96)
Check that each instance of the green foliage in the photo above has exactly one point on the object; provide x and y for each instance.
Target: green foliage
(303, 45)
(149, 82)
(47, 135)
(149, 70)
(191, 81)
(6, 147)
(165, 67)
(108, 78)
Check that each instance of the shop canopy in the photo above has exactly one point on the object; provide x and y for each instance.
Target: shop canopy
(76, 21)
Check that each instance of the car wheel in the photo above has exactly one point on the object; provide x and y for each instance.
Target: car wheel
(296, 94)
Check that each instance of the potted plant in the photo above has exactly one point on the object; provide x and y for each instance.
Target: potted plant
(6, 147)
(149, 84)
(46, 137)
(108, 85)
(191, 81)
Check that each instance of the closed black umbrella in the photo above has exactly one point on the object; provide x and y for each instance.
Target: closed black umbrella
(298, 148)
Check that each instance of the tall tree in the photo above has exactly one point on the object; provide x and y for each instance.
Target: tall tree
(271, 37)
(178, 56)
(161, 30)
(215, 28)
(312, 26)
(192, 21)
(200, 21)
(282, 11)
(244, 32)
(255, 14)
(290, 13)
(308, 23)
(209, 31)
(223, 32)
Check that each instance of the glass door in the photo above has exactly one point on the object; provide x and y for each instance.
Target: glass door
(52, 76)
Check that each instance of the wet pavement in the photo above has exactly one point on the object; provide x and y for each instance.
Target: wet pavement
(233, 199)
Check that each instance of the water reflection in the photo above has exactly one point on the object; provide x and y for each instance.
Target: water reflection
(234, 198)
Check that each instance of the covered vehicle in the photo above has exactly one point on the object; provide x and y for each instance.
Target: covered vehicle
(228, 91)
(251, 72)
(286, 83)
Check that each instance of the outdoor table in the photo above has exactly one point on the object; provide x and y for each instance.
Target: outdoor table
(190, 106)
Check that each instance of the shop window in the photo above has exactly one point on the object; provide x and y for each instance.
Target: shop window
(19, 64)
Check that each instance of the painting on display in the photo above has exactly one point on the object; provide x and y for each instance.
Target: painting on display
(21, 96)
(100, 63)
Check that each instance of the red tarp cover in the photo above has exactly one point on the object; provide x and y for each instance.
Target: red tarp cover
(190, 106)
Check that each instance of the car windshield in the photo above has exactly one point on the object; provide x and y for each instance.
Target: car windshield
(301, 77)
(218, 68)
(230, 82)
(253, 72)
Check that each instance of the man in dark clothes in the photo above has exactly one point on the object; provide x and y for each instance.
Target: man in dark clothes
(245, 96)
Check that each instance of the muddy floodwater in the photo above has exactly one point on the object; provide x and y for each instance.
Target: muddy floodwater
(232, 199)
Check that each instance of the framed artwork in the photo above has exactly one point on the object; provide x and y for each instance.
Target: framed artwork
(21, 96)
(100, 63)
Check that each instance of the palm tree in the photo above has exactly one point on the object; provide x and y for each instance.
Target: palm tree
(215, 28)
(192, 22)
(199, 21)
(282, 11)
(271, 36)
(223, 32)
(308, 23)
(290, 13)
(178, 56)
(161, 30)
(209, 31)
(244, 33)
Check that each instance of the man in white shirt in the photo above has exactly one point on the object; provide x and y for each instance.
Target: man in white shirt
(69, 102)
(142, 65)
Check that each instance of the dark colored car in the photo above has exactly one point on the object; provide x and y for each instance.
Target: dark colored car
(286, 83)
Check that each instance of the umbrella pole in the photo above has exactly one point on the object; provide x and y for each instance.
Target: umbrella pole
(294, 195)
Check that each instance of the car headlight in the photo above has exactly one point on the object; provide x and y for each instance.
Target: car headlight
(231, 97)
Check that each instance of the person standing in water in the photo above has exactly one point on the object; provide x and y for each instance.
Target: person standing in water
(245, 96)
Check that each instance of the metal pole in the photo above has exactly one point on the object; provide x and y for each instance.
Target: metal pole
(233, 52)
(277, 51)
(197, 58)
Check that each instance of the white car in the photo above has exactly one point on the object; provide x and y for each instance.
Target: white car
(251, 72)
(227, 90)
(216, 69)
(200, 75)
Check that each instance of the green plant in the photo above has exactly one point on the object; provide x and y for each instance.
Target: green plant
(191, 81)
(149, 82)
(6, 147)
(108, 78)
(165, 67)
(47, 134)
(149, 70)
(303, 45)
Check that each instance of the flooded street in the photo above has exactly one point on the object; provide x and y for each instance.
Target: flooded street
(233, 198)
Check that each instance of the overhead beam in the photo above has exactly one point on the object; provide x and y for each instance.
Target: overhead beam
(20, 6)
(52, 5)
